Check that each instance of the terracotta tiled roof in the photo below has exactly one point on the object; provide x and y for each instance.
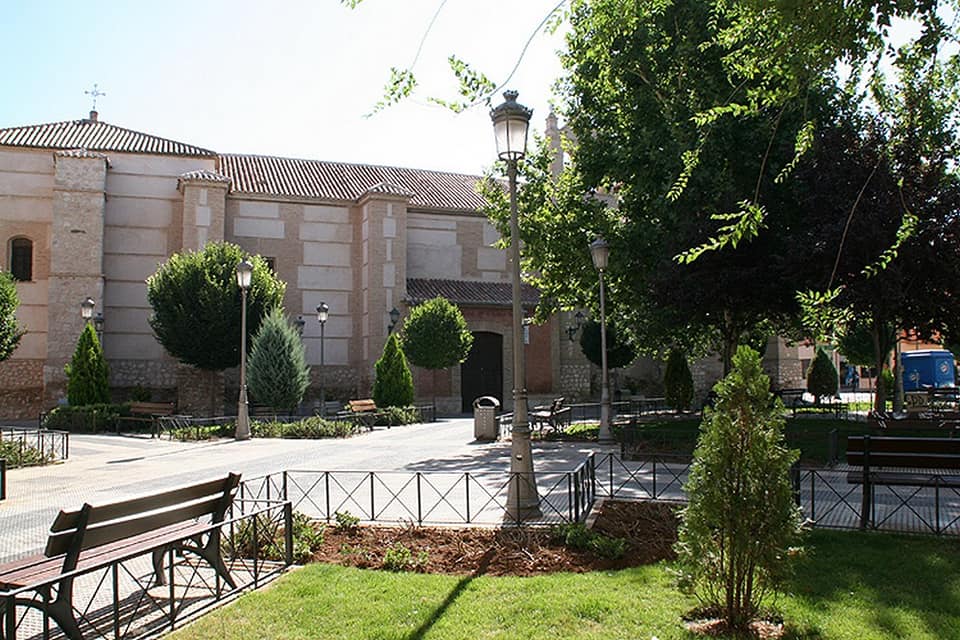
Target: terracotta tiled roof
(465, 292)
(385, 188)
(94, 135)
(80, 153)
(270, 175)
(205, 175)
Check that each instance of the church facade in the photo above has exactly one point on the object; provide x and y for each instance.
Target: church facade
(90, 209)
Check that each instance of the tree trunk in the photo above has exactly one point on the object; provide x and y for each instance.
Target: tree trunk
(731, 336)
(880, 395)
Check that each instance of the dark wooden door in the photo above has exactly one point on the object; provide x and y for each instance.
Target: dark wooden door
(481, 374)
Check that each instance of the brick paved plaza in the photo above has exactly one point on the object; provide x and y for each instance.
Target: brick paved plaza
(106, 468)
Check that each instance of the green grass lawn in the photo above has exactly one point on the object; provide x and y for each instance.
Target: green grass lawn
(850, 585)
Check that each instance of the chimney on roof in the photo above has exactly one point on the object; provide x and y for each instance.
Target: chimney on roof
(93, 116)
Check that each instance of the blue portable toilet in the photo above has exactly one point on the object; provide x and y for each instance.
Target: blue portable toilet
(927, 368)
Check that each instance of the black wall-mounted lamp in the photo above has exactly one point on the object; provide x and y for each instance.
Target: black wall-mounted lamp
(574, 328)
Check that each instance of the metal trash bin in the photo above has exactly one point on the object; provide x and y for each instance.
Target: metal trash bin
(485, 418)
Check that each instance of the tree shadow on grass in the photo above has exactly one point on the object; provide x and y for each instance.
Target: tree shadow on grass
(420, 632)
(900, 578)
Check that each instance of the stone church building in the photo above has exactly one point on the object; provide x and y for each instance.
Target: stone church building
(88, 208)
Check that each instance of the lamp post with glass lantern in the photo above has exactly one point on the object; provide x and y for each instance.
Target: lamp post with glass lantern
(510, 124)
(600, 251)
(322, 311)
(86, 309)
(394, 319)
(98, 325)
(244, 276)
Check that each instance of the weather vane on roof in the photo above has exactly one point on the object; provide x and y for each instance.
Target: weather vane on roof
(96, 93)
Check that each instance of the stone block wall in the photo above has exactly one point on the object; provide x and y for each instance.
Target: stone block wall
(149, 374)
(21, 389)
(199, 392)
(574, 381)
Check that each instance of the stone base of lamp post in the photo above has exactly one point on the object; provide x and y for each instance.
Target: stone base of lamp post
(243, 417)
(523, 501)
(605, 436)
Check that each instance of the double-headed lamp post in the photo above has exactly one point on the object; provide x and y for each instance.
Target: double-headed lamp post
(600, 251)
(244, 276)
(510, 123)
(322, 313)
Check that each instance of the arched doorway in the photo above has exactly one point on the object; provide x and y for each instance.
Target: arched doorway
(481, 374)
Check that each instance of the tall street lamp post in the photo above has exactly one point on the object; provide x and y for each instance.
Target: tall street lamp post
(510, 123)
(600, 251)
(322, 311)
(244, 275)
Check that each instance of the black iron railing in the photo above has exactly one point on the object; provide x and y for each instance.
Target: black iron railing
(824, 494)
(125, 599)
(32, 447)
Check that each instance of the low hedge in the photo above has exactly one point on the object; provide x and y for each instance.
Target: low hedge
(393, 416)
(18, 453)
(91, 418)
(306, 429)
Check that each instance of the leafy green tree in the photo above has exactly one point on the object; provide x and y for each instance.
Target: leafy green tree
(822, 376)
(677, 381)
(88, 378)
(10, 329)
(636, 80)
(741, 522)
(277, 370)
(620, 351)
(435, 336)
(197, 308)
(393, 384)
(882, 226)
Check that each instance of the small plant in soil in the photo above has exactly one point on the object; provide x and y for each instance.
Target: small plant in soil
(578, 536)
(346, 521)
(355, 552)
(399, 558)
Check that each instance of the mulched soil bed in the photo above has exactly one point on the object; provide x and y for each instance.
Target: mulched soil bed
(649, 528)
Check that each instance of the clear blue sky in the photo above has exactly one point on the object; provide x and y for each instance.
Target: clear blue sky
(291, 78)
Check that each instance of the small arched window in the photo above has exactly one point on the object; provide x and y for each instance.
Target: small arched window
(21, 259)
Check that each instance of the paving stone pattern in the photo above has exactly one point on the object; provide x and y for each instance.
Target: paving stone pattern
(107, 468)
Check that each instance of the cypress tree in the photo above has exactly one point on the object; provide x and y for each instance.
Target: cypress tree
(88, 379)
(677, 381)
(741, 521)
(822, 376)
(277, 371)
(393, 385)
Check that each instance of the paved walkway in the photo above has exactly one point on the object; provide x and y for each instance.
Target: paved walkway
(107, 468)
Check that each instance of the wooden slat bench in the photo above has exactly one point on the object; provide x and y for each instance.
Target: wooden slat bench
(891, 461)
(363, 412)
(946, 423)
(793, 400)
(554, 415)
(95, 537)
(148, 413)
